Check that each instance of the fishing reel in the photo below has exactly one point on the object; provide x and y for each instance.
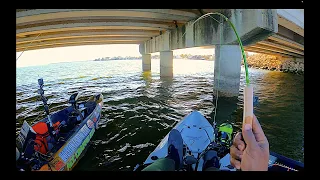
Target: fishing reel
(224, 135)
(223, 139)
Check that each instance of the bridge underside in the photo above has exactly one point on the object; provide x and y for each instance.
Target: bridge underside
(39, 29)
(73, 27)
(163, 30)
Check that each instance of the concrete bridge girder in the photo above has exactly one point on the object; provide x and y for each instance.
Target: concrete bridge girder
(79, 40)
(261, 25)
(84, 34)
(286, 41)
(97, 25)
(35, 47)
(292, 19)
(32, 16)
(279, 46)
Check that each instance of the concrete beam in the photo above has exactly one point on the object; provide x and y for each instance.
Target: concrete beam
(286, 41)
(79, 40)
(84, 34)
(166, 63)
(47, 15)
(100, 19)
(284, 32)
(36, 47)
(257, 50)
(65, 13)
(279, 46)
(252, 26)
(83, 26)
(292, 19)
(258, 46)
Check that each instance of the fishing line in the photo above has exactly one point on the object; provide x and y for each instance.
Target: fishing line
(27, 46)
(217, 91)
(236, 33)
(240, 44)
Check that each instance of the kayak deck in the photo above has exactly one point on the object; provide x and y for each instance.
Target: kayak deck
(197, 134)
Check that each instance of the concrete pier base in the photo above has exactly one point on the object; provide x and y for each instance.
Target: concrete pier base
(227, 68)
(146, 62)
(166, 64)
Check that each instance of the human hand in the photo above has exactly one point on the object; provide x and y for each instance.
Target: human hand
(250, 149)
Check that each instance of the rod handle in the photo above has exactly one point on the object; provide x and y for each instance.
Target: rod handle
(248, 105)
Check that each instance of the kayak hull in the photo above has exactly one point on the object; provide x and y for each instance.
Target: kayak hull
(66, 158)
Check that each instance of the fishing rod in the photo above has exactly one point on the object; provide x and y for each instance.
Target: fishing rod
(46, 108)
(248, 89)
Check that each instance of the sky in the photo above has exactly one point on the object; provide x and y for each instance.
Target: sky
(90, 52)
(74, 53)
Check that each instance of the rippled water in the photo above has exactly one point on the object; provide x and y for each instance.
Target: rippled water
(141, 108)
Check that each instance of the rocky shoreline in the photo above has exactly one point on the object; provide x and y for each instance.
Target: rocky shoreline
(276, 63)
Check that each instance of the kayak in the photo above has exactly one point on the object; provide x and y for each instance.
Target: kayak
(40, 151)
(41, 147)
(199, 136)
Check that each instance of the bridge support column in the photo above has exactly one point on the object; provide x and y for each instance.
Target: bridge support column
(166, 64)
(146, 62)
(227, 68)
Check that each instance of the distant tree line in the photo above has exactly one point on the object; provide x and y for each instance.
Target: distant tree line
(197, 57)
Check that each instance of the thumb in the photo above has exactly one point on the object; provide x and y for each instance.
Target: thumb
(248, 136)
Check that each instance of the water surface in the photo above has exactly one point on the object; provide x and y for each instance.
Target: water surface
(141, 108)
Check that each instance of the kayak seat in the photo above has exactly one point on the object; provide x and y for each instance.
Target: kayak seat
(41, 143)
(90, 106)
(44, 142)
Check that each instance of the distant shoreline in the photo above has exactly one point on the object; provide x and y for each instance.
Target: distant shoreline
(151, 58)
(257, 61)
(181, 56)
(99, 61)
(276, 63)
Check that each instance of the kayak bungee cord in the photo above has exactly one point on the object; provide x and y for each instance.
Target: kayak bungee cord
(248, 90)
